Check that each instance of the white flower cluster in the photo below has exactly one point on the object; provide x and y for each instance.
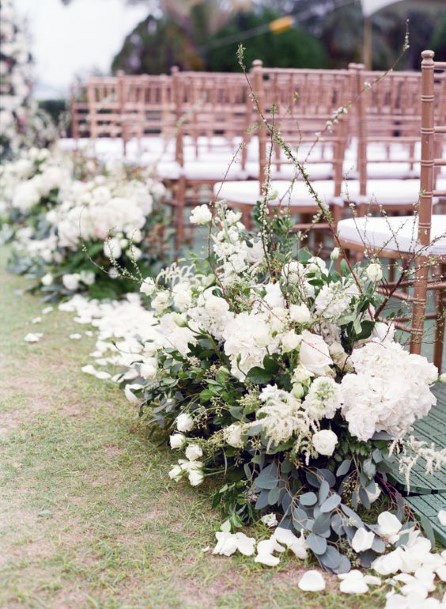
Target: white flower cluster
(388, 391)
(22, 123)
(30, 179)
(15, 77)
(92, 210)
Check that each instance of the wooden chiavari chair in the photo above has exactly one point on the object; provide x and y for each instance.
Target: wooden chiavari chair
(79, 112)
(420, 239)
(308, 110)
(212, 112)
(104, 106)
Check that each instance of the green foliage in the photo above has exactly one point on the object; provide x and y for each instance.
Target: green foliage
(294, 48)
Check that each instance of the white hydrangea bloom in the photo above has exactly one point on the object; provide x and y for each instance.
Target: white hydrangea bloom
(388, 392)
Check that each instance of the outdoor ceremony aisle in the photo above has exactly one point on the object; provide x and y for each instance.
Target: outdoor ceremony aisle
(88, 520)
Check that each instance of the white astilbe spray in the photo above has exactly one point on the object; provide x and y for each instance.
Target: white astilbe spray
(414, 450)
(282, 416)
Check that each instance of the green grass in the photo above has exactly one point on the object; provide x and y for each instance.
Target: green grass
(89, 516)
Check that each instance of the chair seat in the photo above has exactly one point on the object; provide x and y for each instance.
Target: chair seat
(383, 192)
(212, 171)
(394, 233)
(282, 193)
(316, 171)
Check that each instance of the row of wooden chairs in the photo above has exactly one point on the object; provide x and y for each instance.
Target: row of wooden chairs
(351, 130)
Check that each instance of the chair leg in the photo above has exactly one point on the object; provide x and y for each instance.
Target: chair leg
(419, 305)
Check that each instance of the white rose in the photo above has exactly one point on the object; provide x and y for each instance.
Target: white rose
(290, 341)
(374, 272)
(177, 440)
(147, 286)
(194, 452)
(184, 422)
(233, 435)
(314, 353)
(196, 477)
(201, 215)
(47, 279)
(324, 442)
(71, 282)
(300, 314)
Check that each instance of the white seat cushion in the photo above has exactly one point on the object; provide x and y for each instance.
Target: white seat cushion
(316, 171)
(383, 192)
(282, 193)
(199, 170)
(395, 233)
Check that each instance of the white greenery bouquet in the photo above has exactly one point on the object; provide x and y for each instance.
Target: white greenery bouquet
(269, 372)
(83, 235)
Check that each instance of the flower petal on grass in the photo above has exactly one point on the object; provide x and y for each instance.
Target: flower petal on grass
(312, 581)
(33, 337)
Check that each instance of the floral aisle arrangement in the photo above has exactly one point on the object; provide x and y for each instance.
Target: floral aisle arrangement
(96, 236)
(21, 122)
(271, 376)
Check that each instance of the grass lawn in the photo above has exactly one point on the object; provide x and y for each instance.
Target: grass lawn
(89, 518)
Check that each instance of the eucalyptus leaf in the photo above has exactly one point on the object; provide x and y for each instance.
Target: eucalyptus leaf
(321, 525)
(274, 496)
(331, 503)
(317, 544)
(344, 565)
(262, 500)
(331, 559)
(324, 490)
(312, 479)
(344, 468)
(366, 558)
(363, 496)
(308, 499)
(328, 476)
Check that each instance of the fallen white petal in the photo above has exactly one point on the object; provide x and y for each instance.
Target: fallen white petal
(245, 544)
(388, 524)
(36, 320)
(442, 517)
(362, 540)
(353, 583)
(312, 581)
(268, 546)
(33, 337)
(372, 580)
(267, 559)
(47, 310)
(75, 336)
